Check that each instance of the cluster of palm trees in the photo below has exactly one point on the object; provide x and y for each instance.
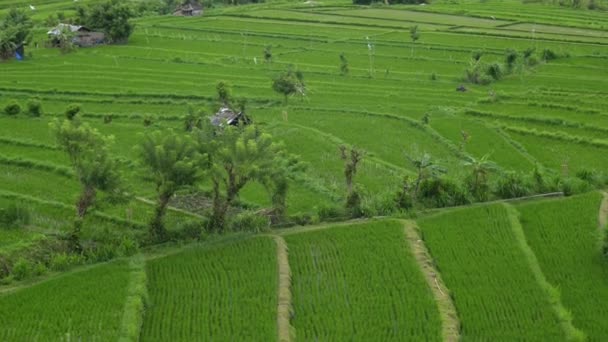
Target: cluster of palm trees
(226, 158)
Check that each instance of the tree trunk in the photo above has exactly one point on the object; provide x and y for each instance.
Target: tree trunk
(220, 207)
(279, 199)
(82, 206)
(158, 233)
(84, 202)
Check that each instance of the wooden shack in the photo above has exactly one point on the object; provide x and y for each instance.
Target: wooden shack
(81, 35)
(191, 9)
(227, 117)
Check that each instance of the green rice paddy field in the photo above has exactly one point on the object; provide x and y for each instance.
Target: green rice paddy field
(530, 271)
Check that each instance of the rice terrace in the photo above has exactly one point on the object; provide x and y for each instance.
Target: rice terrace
(321, 170)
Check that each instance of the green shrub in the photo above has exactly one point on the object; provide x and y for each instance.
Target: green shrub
(22, 269)
(12, 108)
(532, 61)
(189, 230)
(34, 108)
(39, 269)
(549, 55)
(379, 205)
(495, 71)
(442, 192)
(573, 186)
(14, 216)
(302, 219)
(329, 212)
(107, 118)
(72, 110)
(148, 120)
(249, 222)
(477, 54)
(128, 247)
(63, 261)
(512, 185)
(510, 58)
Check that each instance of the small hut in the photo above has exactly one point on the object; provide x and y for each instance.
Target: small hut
(227, 117)
(82, 36)
(190, 9)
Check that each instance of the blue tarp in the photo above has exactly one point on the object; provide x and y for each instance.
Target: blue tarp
(18, 56)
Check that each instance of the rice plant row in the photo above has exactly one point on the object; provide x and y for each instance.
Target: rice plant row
(82, 306)
(359, 283)
(565, 237)
(494, 290)
(222, 293)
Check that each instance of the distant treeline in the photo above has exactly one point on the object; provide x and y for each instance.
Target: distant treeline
(391, 2)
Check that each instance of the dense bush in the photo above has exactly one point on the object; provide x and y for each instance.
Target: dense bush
(549, 55)
(188, 230)
(302, 219)
(249, 222)
(14, 215)
(63, 261)
(72, 110)
(12, 108)
(380, 205)
(512, 185)
(494, 70)
(329, 212)
(34, 108)
(442, 192)
(22, 269)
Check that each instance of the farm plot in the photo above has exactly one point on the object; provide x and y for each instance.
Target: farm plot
(222, 293)
(492, 285)
(81, 306)
(359, 283)
(564, 235)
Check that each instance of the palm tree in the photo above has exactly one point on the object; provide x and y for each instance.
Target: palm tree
(89, 155)
(480, 171)
(172, 161)
(425, 167)
(235, 156)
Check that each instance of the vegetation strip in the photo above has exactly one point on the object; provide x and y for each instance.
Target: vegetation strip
(603, 213)
(135, 302)
(449, 316)
(286, 332)
(564, 316)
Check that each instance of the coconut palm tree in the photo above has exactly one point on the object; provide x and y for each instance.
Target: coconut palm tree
(480, 169)
(171, 160)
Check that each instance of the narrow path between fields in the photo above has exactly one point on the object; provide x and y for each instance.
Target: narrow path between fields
(603, 214)
(286, 332)
(450, 324)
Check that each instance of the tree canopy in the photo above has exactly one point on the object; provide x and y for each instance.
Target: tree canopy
(112, 17)
(289, 83)
(15, 30)
(171, 160)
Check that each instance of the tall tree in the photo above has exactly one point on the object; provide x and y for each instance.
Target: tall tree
(344, 68)
(289, 83)
(224, 93)
(414, 36)
(276, 181)
(234, 157)
(15, 30)
(112, 17)
(89, 155)
(351, 157)
(171, 160)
